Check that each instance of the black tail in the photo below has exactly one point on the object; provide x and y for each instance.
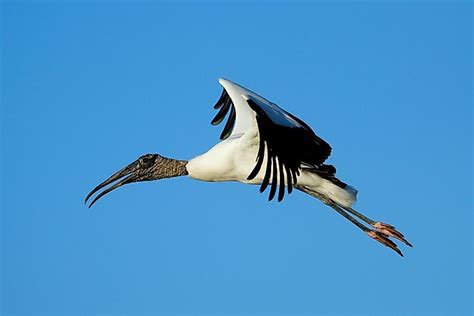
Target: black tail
(327, 172)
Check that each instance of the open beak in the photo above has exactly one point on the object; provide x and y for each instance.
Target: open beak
(128, 174)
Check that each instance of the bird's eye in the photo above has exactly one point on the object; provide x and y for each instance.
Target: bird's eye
(145, 160)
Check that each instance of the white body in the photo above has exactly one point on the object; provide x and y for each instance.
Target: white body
(234, 158)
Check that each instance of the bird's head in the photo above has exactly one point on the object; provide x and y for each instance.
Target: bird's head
(148, 167)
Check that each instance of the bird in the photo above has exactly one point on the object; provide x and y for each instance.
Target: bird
(260, 144)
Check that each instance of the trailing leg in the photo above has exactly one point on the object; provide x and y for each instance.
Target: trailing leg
(378, 235)
(384, 228)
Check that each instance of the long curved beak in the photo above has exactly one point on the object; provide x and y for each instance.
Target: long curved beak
(127, 175)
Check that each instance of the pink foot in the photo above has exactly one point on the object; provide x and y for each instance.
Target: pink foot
(390, 231)
(383, 239)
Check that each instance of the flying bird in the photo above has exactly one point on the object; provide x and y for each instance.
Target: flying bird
(261, 144)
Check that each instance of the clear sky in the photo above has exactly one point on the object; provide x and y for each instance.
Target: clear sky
(90, 86)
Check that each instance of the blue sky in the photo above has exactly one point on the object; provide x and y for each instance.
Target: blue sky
(87, 87)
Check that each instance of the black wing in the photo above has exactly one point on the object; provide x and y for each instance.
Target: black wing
(287, 145)
(287, 141)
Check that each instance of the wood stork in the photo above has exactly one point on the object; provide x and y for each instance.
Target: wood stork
(265, 145)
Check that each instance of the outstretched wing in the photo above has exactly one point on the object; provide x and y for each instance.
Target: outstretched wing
(285, 140)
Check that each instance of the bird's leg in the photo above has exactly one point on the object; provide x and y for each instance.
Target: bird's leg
(384, 228)
(379, 236)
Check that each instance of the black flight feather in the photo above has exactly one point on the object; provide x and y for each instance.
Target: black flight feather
(258, 165)
(282, 136)
(289, 180)
(292, 145)
(221, 99)
(281, 192)
(229, 125)
(221, 114)
(274, 179)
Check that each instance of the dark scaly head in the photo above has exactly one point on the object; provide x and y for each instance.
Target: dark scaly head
(148, 167)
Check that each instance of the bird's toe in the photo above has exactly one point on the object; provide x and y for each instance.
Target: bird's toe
(390, 231)
(383, 239)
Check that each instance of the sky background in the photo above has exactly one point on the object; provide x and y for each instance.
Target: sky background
(87, 87)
